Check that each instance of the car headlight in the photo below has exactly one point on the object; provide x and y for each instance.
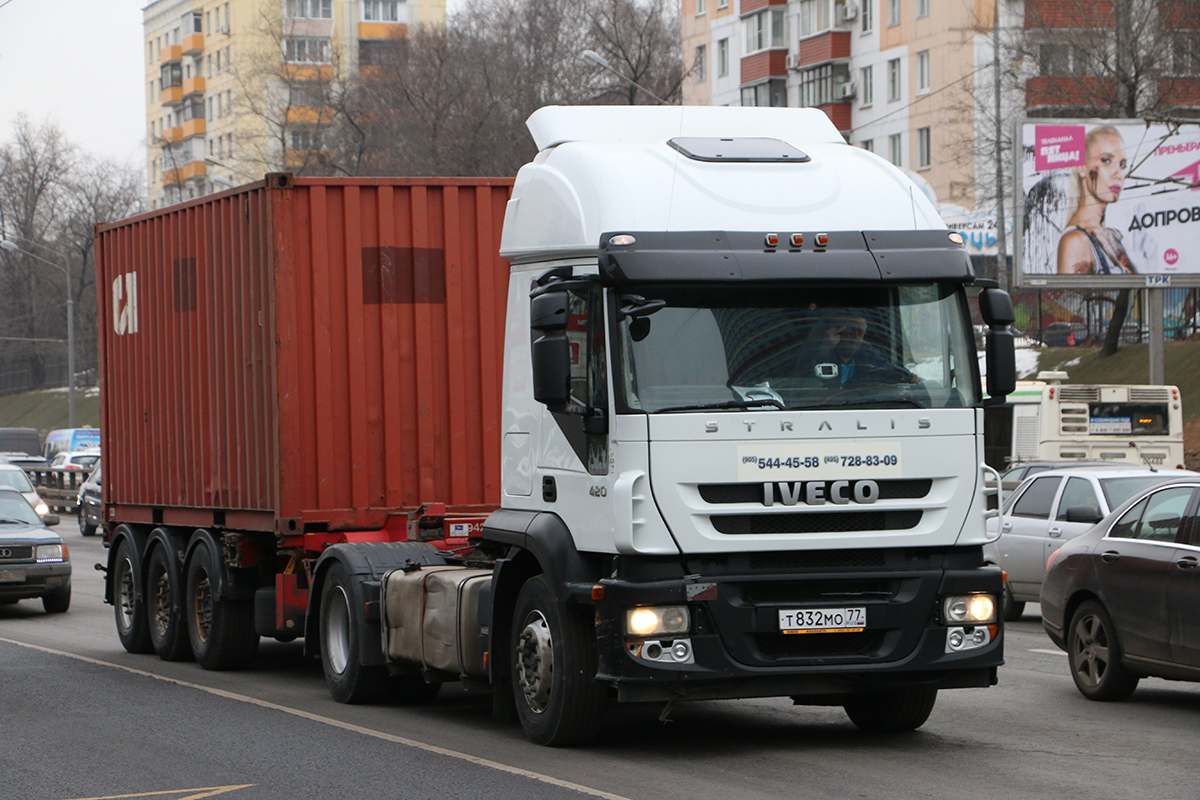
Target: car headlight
(657, 621)
(47, 553)
(42, 509)
(969, 609)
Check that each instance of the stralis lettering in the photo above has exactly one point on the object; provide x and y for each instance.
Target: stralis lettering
(818, 493)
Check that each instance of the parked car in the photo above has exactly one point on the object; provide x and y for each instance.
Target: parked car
(1049, 508)
(80, 459)
(1011, 479)
(34, 562)
(91, 513)
(13, 477)
(1121, 599)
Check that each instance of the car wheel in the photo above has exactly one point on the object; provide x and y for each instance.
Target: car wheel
(221, 631)
(554, 662)
(889, 712)
(84, 528)
(164, 607)
(1013, 609)
(129, 606)
(57, 602)
(1096, 655)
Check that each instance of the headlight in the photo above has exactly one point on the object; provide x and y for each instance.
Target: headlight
(657, 621)
(51, 552)
(42, 509)
(969, 609)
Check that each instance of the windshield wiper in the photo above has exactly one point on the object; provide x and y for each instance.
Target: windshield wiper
(765, 401)
(6, 521)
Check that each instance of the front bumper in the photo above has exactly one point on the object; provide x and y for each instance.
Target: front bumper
(737, 650)
(36, 579)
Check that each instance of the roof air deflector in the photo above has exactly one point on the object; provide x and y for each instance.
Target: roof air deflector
(744, 149)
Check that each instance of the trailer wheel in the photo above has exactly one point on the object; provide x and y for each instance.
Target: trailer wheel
(164, 607)
(349, 680)
(890, 712)
(221, 632)
(129, 605)
(559, 701)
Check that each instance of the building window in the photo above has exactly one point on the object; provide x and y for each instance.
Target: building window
(197, 26)
(893, 80)
(765, 29)
(722, 4)
(172, 74)
(220, 107)
(210, 114)
(814, 16)
(868, 15)
(228, 60)
(307, 50)
(150, 52)
(922, 8)
(381, 10)
(895, 155)
(229, 147)
(823, 84)
(193, 109)
(209, 65)
(771, 93)
(378, 52)
(207, 23)
(868, 145)
(1186, 53)
(893, 7)
(305, 139)
(866, 92)
(923, 71)
(1067, 59)
(228, 19)
(702, 64)
(923, 148)
(218, 61)
(700, 7)
(310, 9)
(722, 58)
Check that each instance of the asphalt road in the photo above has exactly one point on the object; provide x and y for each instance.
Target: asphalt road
(80, 718)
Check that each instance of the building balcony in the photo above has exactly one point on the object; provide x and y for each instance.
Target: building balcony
(194, 169)
(765, 64)
(304, 158)
(1041, 14)
(1069, 91)
(171, 177)
(172, 95)
(171, 52)
(307, 72)
(193, 127)
(300, 115)
(193, 44)
(172, 135)
(193, 85)
(827, 46)
(749, 6)
(382, 30)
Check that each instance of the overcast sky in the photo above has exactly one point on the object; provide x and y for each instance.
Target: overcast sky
(80, 64)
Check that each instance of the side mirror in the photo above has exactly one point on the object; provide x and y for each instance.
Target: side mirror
(995, 306)
(1083, 514)
(50, 519)
(551, 352)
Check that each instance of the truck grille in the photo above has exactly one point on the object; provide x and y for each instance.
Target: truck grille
(14, 553)
(796, 592)
(780, 647)
(727, 493)
(818, 559)
(830, 522)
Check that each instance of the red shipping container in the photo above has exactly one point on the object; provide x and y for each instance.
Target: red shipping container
(304, 354)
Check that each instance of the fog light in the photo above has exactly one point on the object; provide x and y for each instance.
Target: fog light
(980, 636)
(654, 651)
(959, 640)
(956, 639)
(680, 651)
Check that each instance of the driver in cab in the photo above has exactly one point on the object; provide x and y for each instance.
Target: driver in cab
(840, 356)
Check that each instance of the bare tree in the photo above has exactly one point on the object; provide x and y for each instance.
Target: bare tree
(640, 39)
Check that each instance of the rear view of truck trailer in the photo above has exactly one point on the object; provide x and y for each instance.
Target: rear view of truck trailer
(735, 449)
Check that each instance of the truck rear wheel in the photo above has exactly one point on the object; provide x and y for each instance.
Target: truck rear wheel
(164, 607)
(889, 712)
(349, 680)
(129, 605)
(559, 701)
(221, 632)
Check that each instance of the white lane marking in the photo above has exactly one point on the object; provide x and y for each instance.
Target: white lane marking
(387, 737)
(1047, 652)
(207, 791)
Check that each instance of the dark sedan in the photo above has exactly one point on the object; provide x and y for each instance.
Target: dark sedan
(1122, 599)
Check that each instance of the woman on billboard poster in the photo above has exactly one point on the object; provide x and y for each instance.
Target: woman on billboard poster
(1087, 245)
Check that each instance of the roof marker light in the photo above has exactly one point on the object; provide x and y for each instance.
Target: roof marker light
(956, 238)
(797, 239)
(621, 239)
(772, 240)
(822, 239)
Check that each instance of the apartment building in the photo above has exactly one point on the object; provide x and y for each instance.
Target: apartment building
(223, 78)
(898, 77)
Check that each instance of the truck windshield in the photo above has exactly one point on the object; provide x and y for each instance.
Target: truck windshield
(788, 347)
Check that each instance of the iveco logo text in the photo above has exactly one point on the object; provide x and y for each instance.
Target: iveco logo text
(818, 493)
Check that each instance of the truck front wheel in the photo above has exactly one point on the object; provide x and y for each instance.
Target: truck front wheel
(559, 701)
(889, 712)
(349, 680)
(129, 604)
(221, 631)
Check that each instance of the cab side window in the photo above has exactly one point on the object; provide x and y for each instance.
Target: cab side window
(1037, 499)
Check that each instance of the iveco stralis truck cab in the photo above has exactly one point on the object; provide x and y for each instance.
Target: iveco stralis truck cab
(742, 433)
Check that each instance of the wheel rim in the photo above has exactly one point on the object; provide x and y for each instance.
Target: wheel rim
(125, 601)
(535, 662)
(160, 600)
(1091, 654)
(202, 606)
(337, 630)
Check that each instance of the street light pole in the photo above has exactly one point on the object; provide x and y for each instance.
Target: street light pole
(11, 246)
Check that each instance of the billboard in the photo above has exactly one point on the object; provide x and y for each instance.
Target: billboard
(1107, 203)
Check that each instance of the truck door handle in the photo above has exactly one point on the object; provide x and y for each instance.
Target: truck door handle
(1110, 556)
(1006, 527)
(1187, 562)
(1055, 532)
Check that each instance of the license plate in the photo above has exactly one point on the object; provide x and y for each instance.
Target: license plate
(12, 576)
(823, 620)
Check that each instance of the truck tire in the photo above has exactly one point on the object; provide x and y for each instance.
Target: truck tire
(57, 602)
(164, 607)
(129, 605)
(889, 712)
(221, 632)
(1096, 655)
(348, 679)
(553, 645)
